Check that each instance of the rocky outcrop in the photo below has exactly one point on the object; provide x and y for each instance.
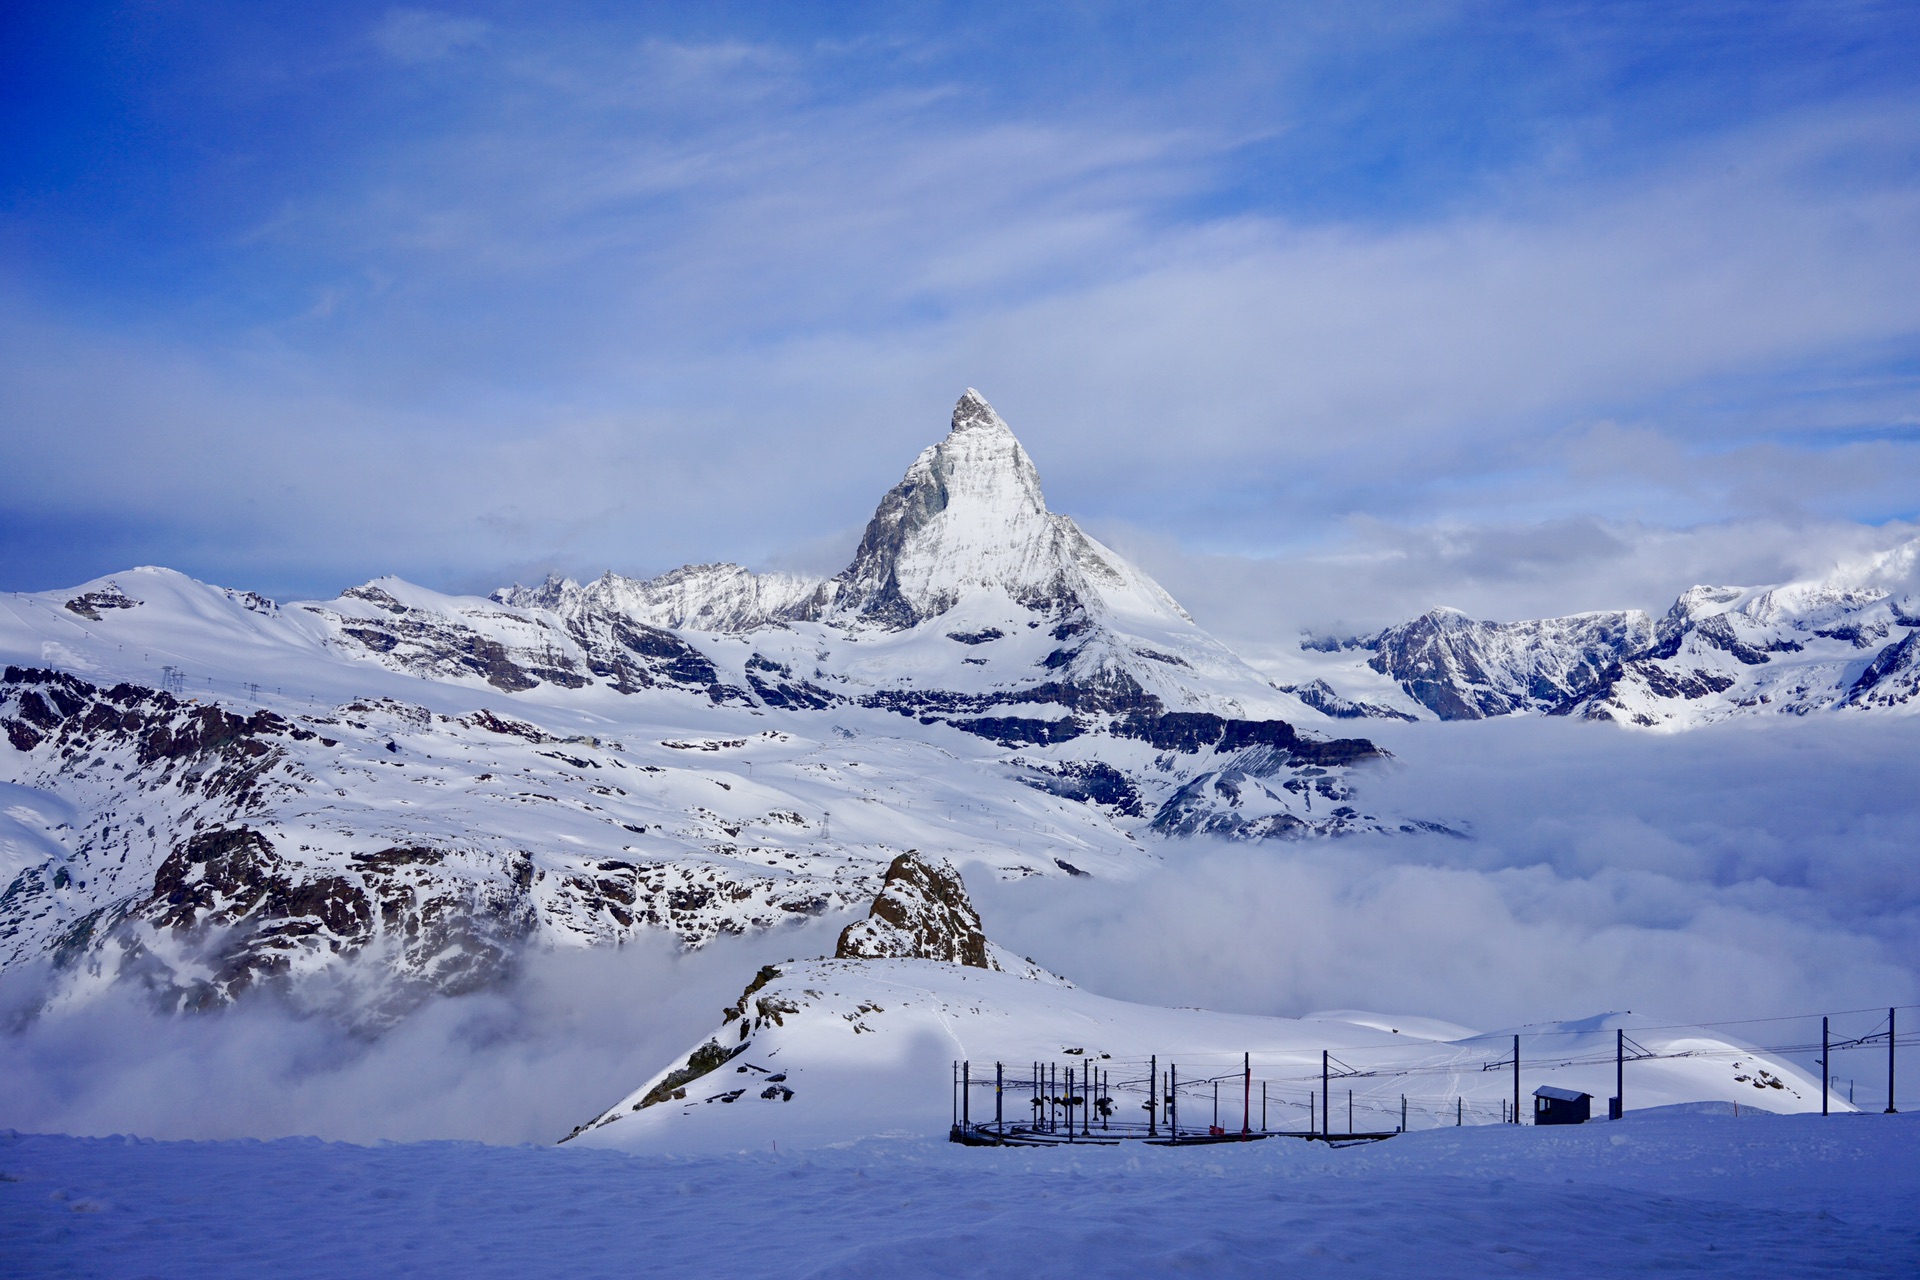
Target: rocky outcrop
(921, 913)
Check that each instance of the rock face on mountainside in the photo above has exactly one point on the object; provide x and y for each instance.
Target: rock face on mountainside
(1843, 643)
(207, 792)
(922, 913)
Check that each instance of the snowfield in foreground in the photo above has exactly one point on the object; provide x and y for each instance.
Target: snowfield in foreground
(1655, 1194)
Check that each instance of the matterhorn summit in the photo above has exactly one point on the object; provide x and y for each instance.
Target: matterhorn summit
(969, 518)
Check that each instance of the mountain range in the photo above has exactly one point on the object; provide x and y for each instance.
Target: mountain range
(1846, 642)
(364, 800)
(207, 791)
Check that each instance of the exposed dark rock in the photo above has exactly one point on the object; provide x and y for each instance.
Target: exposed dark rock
(709, 1057)
(1017, 731)
(921, 913)
(1194, 731)
(1320, 695)
(108, 597)
(1090, 782)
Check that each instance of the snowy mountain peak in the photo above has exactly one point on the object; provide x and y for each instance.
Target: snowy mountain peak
(968, 515)
(973, 412)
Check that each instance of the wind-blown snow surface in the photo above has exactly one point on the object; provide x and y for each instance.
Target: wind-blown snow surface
(1657, 1194)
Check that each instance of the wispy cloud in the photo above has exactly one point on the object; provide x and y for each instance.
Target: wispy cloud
(424, 35)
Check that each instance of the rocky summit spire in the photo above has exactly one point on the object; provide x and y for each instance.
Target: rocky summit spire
(968, 515)
(973, 412)
(922, 913)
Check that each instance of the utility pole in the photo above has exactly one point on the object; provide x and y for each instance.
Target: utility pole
(1246, 1109)
(1153, 1103)
(1516, 1078)
(1619, 1074)
(1326, 1111)
(999, 1082)
(1890, 1040)
(1826, 1070)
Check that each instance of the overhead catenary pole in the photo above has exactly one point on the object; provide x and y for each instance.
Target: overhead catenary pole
(1619, 1073)
(1326, 1112)
(1173, 1100)
(1890, 1040)
(966, 1087)
(1153, 1103)
(999, 1083)
(1516, 1078)
(1246, 1109)
(1826, 1070)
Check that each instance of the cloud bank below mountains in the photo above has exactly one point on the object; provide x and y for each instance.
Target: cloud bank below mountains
(1736, 871)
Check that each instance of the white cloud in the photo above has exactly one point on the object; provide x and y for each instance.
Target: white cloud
(424, 35)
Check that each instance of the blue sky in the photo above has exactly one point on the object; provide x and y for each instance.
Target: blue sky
(1522, 306)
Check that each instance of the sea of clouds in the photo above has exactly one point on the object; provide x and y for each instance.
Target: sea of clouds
(1739, 871)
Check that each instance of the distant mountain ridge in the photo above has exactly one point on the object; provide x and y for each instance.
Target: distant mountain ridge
(1842, 643)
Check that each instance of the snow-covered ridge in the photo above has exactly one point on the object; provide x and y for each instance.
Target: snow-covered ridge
(818, 1052)
(1845, 642)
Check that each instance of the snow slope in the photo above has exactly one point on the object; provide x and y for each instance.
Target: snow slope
(1659, 1194)
(821, 1051)
(865, 1047)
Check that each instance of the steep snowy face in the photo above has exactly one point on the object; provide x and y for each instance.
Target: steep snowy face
(1462, 669)
(968, 516)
